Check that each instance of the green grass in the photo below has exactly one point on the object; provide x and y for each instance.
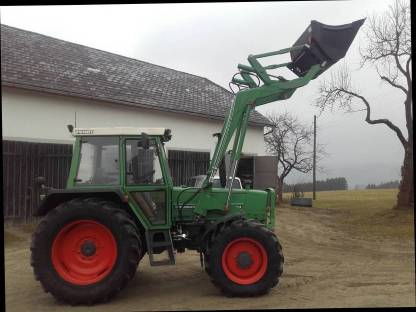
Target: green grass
(368, 211)
(360, 201)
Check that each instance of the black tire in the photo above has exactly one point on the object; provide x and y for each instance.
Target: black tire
(105, 213)
(207, 250)
(240, 229)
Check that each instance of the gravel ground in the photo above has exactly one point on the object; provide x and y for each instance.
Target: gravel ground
(327, 265)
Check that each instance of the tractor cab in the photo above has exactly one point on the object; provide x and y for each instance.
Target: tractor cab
(127, 159)
(100, 151)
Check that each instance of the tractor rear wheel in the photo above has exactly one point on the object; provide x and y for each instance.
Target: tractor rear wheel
(86, 250)
(245, 259)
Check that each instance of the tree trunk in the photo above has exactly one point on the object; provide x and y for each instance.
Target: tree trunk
(405, 197)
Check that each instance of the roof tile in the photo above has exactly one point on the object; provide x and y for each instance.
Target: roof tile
(37, 61)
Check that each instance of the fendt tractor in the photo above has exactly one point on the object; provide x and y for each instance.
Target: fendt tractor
(120, 201)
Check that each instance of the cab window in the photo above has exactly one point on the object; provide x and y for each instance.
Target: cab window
(99, 161)
(142, 162)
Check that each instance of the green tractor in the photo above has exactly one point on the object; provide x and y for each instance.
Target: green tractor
(120, 202)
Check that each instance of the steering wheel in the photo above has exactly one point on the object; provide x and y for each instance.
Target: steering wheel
(146, 175)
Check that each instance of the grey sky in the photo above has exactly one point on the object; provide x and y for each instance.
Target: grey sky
(210, 39)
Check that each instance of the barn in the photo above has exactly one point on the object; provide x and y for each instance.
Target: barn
(48, 83)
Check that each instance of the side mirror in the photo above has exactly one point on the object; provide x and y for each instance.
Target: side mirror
(167, 135)
(323, 44)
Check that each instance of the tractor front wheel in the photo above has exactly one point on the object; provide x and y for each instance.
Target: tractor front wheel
(85, 251)
(245, 259)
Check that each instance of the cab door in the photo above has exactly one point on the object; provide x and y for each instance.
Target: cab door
(146, 182)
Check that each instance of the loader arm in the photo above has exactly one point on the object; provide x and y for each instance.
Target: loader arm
(246, 100)
(319, 47)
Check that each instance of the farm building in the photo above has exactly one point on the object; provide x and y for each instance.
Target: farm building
(49, 83)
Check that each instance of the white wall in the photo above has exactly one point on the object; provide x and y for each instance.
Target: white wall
(42, 117)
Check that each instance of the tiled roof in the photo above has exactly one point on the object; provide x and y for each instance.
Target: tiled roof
(34, 61)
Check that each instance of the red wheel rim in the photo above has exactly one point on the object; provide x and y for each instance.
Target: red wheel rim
(244, 261)
(84, 252)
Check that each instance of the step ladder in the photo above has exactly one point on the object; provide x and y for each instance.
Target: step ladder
(162, 240)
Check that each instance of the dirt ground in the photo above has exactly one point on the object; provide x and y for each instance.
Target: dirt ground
(328, 263)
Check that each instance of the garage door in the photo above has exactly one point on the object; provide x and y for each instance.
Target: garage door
(265, 172)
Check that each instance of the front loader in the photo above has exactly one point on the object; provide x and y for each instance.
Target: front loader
(120, 202)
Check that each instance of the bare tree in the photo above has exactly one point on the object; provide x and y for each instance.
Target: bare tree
(388, 51)
(291, 142)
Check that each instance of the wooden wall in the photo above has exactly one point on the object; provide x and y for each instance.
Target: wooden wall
(22, 163)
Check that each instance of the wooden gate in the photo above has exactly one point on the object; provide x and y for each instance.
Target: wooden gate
(22, 163)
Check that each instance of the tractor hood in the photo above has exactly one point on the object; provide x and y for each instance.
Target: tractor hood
(254, 204)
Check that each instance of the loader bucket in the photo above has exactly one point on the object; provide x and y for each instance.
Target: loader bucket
(325, 45)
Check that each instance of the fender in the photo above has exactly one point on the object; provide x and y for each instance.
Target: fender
(56, 197)
(214, 226)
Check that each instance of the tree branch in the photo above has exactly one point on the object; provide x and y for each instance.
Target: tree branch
(287, 139)
(387, 122)
(394, 84)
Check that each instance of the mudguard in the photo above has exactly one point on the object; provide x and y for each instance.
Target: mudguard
(55, 197)
(212, 227)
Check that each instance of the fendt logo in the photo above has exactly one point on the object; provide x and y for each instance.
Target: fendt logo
(84, 131)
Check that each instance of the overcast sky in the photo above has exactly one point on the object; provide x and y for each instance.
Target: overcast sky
(210, 39)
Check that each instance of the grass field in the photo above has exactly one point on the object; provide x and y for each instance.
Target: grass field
(369, 211)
